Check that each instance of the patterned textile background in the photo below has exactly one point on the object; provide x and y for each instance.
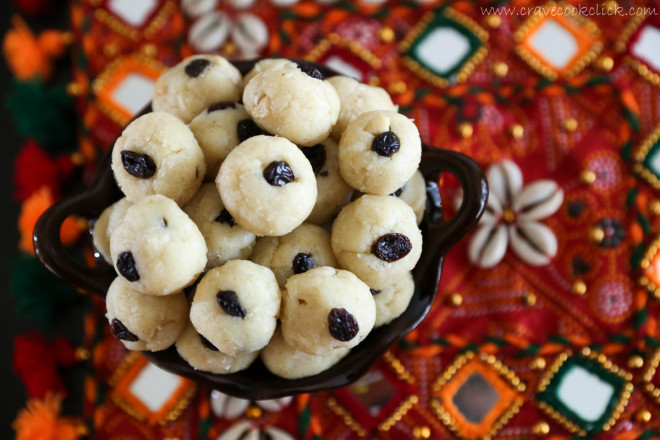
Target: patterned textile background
(546, 321)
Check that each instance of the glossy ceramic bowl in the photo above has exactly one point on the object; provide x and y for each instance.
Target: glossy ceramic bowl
(257, 382)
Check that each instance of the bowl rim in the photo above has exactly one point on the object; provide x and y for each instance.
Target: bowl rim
(256, 382)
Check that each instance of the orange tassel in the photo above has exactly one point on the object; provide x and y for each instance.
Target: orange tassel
(32, 208)
(31, 57)
(41, 421)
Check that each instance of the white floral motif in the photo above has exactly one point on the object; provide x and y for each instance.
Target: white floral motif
(229, 407)
(512, 218)
(211, 30)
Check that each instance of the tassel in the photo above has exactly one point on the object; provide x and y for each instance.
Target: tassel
(34, 169)
(33, 7)
(41, 420)
(31, 57)
(43, 114)
(36, 361)
(32, 209)
(39, 296)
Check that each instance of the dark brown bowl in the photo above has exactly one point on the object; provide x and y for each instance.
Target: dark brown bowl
(257, 382)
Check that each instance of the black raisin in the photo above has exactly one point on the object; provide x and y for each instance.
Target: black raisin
(247, 128)
(391, 247)
(196, 67)
(316, 156)
(137, 164)
(311, 71)
(302, 263)
(278, 173)
(374, 291)
(225, 217)
(126, 266)
(119, 331)
(228, 300)
(386, 144)
(220, 106)
(342, 325)
(207, 344)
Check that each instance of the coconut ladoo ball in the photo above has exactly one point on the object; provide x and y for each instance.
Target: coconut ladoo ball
(144, 322)
(333, 191)
(225, 240)
(157, 248)
(357, 98)
(379, 152)
(325, 309)
(267, 185)
(414, 194)
(392, 301)
(218, 129)
(377, 238)
(293, 101)
(289, 363)
(202, 355)
(236, 307)
(194, 84)
(262, 65)
(306, 247)
(109, 219)
(158, 154)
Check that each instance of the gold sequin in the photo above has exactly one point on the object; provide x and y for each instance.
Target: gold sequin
(501, 69)
(579, 287)
(587, 177)
(465, 129)
(517, 131)
(455, 299)
(541, 428)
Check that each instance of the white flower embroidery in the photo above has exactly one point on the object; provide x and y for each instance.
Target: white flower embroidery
(512, 218)
(213, 29)
(229, 407)
(248, 431)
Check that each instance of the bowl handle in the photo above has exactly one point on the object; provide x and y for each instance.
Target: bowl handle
(49, 249)
(440, 234)
(446, 234)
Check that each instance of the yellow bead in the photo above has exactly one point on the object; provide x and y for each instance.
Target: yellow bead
(529, 299)
(229, 48)
(422, 432)
(517, 131)
(537, 363)
(150, 50)
(74, 89)
(610, 6)
(508, 216)
(374, 81)
(253, 412)
(636, 361)
(587, 177)
(493, 21)
(541, 428)
(110, 50)
(596, 235)
(654, 207)
(500, 69)
(605, 63)
(643, 416)
(579, 287)
(387, 35)
(398, 88)
(455, 299)
(82, 354)
(570, 124)
(466, 130)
